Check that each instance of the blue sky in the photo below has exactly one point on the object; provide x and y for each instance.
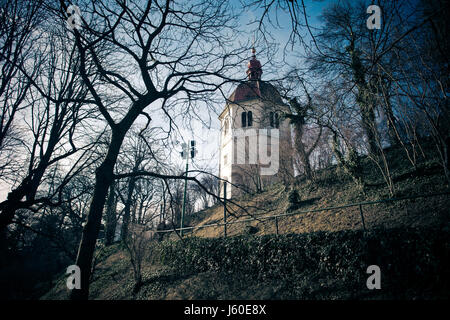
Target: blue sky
(208, 138)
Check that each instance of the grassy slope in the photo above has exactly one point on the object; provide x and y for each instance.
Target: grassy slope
(113, 278)
(330, 190)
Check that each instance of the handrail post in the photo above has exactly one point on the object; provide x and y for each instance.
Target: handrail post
(225, 209)
(362, 217)
(276, 224)
(184, 198)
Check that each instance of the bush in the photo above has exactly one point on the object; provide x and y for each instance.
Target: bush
(251, 230)
(294, 200)
(410, 259)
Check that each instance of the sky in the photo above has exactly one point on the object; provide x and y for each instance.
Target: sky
(207, 137)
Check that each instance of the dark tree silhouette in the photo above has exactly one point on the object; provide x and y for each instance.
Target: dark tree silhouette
(148, 52)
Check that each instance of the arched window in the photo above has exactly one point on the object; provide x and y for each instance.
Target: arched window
(276, 120)
(244, 119)
(247, 119)
(226, 126)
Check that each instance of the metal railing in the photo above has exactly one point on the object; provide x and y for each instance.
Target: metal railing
(297, 212)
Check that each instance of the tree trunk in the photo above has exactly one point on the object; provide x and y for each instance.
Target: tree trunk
(394, 138)
(350, 166)
(103, 180)
(447, 145)
(140, 218)
(369, 126)
(365, 99)
(304, 155)
(163, 213)
(127, 209)
(28, 188)
(111, 219)
(304, 158)
(446, 156)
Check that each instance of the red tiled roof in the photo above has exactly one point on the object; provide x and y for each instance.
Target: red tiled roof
(255, 89)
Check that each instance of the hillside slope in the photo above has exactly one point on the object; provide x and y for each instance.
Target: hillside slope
(317, 255)
(414, 264)
(333, 188)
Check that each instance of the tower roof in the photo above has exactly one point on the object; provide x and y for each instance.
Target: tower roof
(254, 87)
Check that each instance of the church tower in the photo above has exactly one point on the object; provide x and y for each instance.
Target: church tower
(253, 109)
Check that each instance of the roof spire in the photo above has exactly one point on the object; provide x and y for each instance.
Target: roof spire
(253, 47)
(254, 70)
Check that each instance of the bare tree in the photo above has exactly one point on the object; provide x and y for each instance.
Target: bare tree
(52, 113)
(136, 243)
(211, 183)
(298, 119)
(148, 52)
(140, 153)
(18, 21)
(111, 216)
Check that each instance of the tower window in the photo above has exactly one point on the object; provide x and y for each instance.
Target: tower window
(244, 119)
(226, 126)
(274, 119)
(247, 119)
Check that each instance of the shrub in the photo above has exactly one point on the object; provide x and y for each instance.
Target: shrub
(251, 230)
(410, 259)
(294, 200)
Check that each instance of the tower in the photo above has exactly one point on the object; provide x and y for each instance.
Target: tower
(255, 107)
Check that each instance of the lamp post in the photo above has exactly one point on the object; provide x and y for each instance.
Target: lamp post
(188, 152)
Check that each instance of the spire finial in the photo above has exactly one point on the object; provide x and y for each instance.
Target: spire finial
(254, 70)
(253, 47)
